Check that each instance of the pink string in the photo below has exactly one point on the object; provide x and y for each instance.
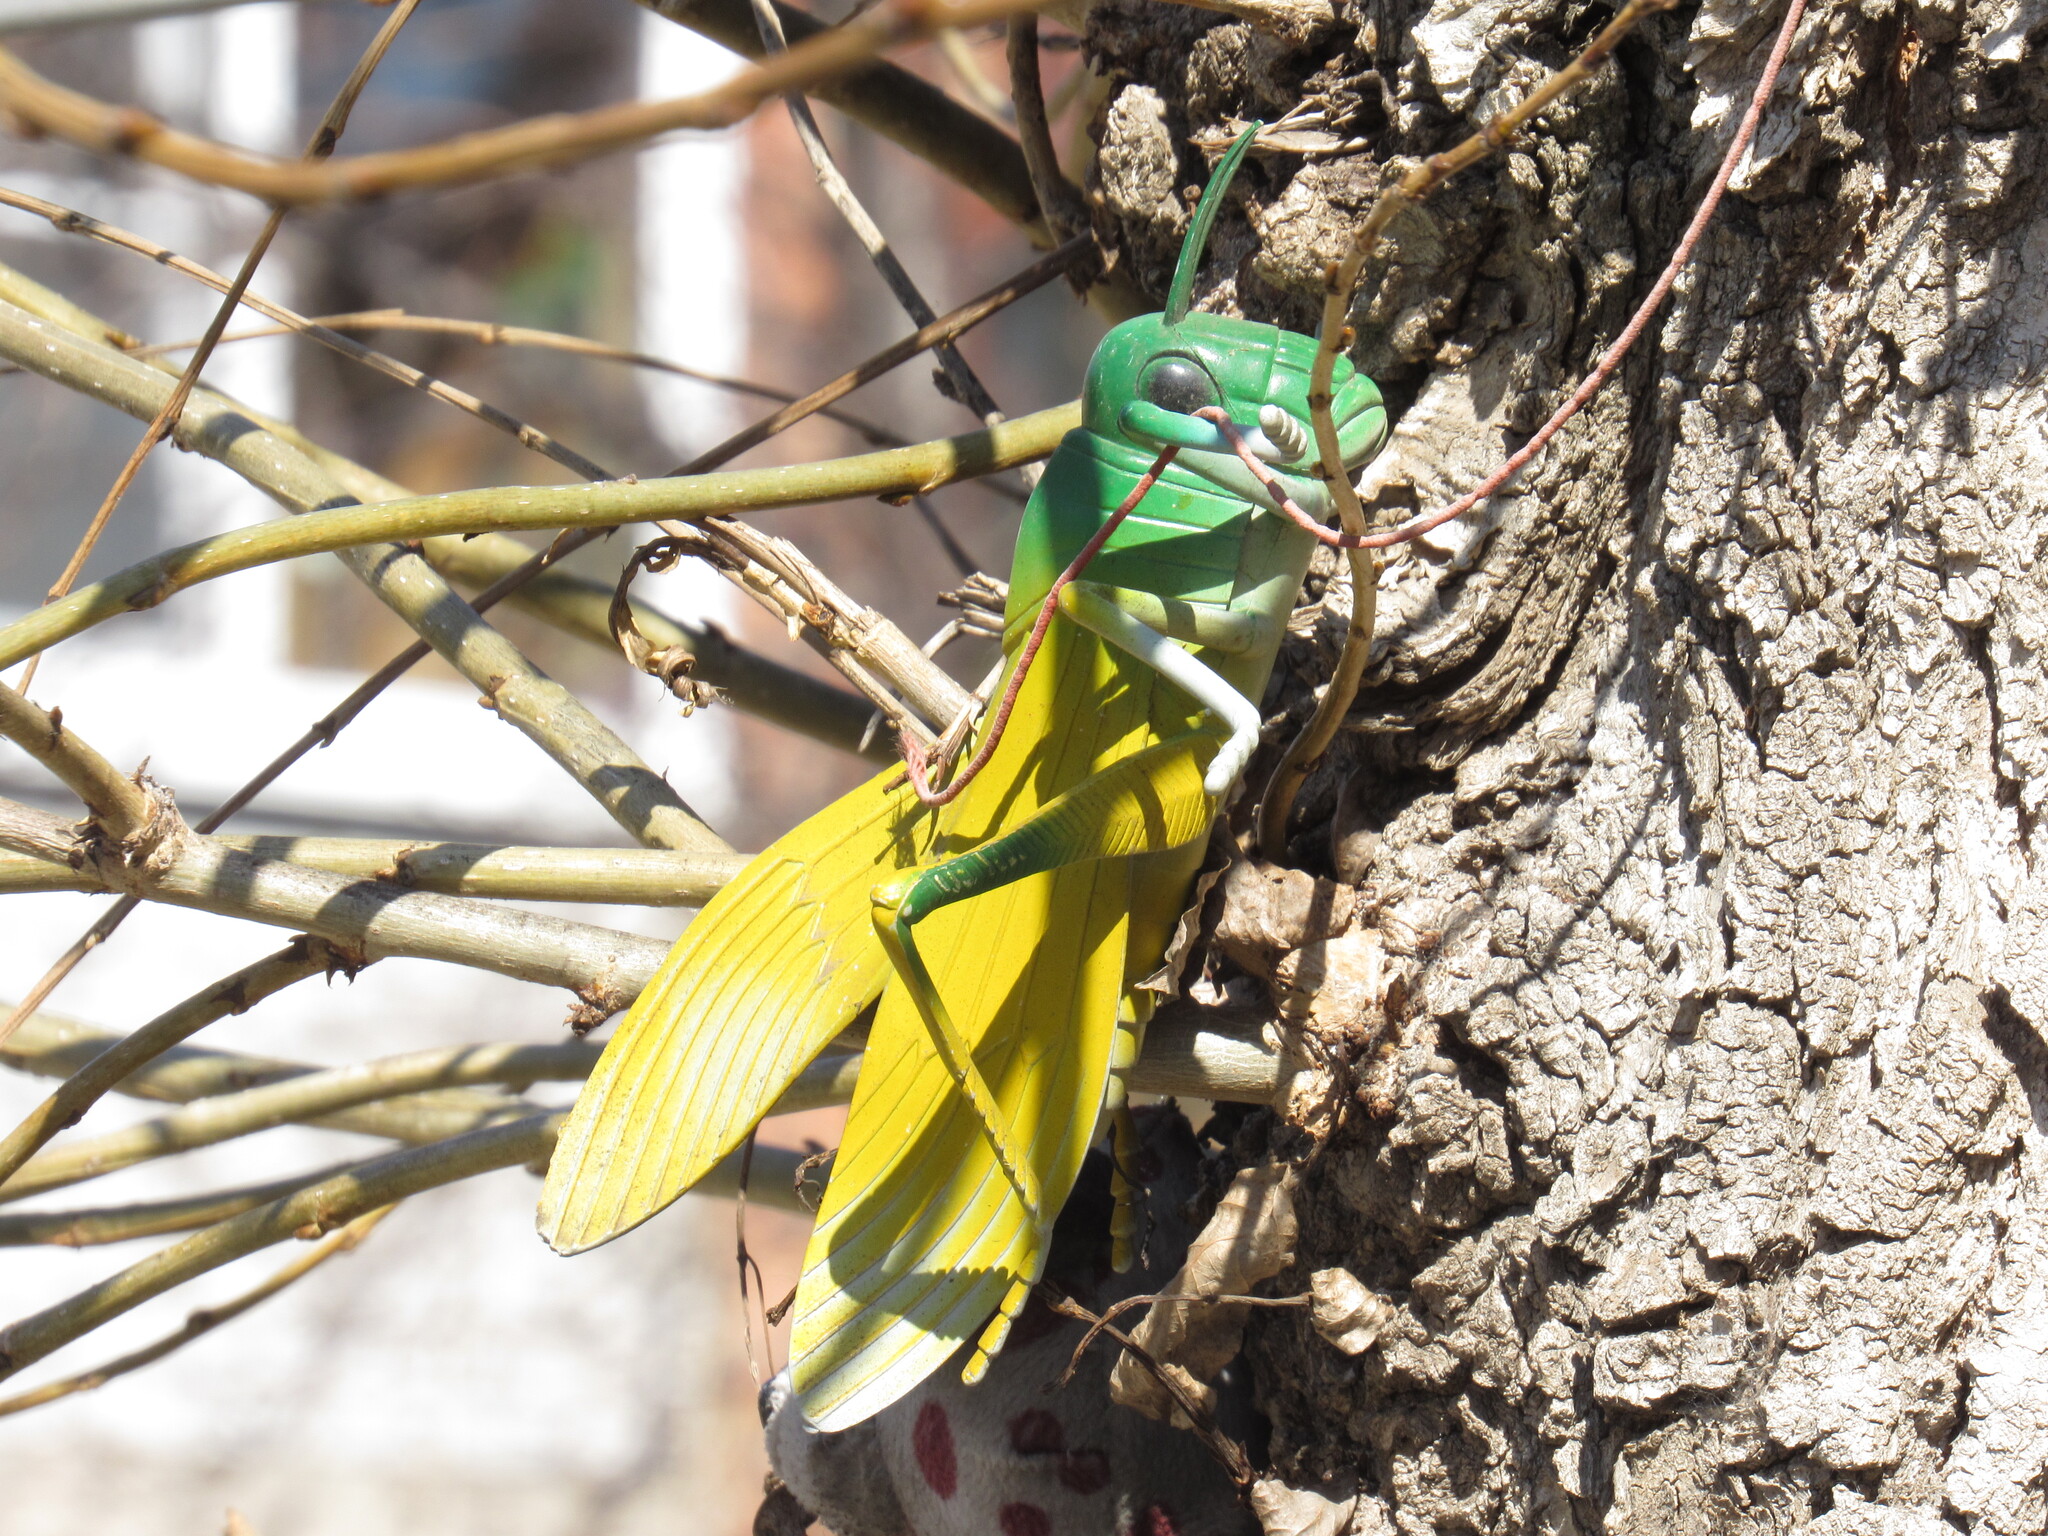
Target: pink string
(913, 751)
(1609, 360)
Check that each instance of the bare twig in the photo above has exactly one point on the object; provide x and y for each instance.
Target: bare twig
(1339, 281)
(533, 144)
(1341, 277)
(95, 1226)
(967, 387)
(902, 107)
(1132, 1303)
(71, 221)
(1227, 1452)
(202, 1322)
(870, 652)
(1068, 257)
(321, 145)
(122, 809)
(1303, 753)
(235, 994)
(958, 52)
(313, 1096)
(645, 877)
(492, 333)
(48, 1046)
(368, 919)
(1059, 197)
(317, 1209)
(895, 472)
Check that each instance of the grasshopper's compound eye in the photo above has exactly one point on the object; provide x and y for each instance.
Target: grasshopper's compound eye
(1178, 384)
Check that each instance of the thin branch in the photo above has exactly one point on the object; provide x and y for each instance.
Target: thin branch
(314, 1095)
(1072, 256)
(48, 1046)
(890, 473)
(319, 147)
(870, 652)
(235, 994)
(533, 144)
(123, 810)
(643, 877)
(1340, 279)
(316, 1209)
(902, 107)
(368, 919)
(1303, 753)
(958, 52)
(36, 15)
(71, 221)
(1059, 197)
(203, 1321)
(492, 333)
(578, 605)
(540, 708)
(967, 388)
(1226, 1451)
(95, 1226)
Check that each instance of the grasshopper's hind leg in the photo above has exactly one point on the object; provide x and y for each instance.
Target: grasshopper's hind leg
(1124, 1147)
(1146, 803)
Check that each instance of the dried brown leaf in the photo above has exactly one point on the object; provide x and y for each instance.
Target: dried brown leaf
(1249, 1239)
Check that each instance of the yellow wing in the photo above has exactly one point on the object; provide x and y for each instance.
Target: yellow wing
(775, 965)
(921, 1236)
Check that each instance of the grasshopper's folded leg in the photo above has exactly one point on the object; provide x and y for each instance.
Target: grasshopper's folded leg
(1148, 802)
(774, 966)
(955, 1162)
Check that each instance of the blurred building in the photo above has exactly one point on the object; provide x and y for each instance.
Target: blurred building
(451, 1377)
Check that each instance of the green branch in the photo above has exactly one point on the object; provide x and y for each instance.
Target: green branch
(891, 473)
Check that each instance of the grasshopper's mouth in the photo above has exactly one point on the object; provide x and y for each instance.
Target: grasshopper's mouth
(1278, 437)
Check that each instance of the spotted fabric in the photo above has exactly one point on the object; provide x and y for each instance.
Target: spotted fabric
(1009, 1457)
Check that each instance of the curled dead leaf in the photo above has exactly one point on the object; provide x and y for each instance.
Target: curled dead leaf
(1345, 1312)
(1250, 1238)
(1285, 1511)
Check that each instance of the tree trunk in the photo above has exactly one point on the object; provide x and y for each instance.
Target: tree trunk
(1700, 1141)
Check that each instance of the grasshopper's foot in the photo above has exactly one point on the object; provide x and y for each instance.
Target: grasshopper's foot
(993, 1337)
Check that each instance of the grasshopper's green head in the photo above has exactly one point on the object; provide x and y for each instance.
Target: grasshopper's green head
(1150, 374)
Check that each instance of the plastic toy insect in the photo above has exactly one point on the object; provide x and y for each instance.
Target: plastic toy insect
(1006, 922)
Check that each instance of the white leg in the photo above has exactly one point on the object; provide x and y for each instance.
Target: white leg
(1094, 612)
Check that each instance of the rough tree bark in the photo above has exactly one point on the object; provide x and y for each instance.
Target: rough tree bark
(1699, 1139)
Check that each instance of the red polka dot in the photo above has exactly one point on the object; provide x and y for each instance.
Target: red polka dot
(1023, 1520)
(1157, 1520)
(1035, 1432)
(931, 1439)
(1085, 1471)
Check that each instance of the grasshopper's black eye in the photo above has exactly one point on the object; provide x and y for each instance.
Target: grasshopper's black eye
(1178, 384)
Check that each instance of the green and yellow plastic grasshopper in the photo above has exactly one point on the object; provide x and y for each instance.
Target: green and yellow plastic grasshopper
(1005, 922)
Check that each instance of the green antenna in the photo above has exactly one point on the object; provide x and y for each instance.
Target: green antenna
(1181, 296)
